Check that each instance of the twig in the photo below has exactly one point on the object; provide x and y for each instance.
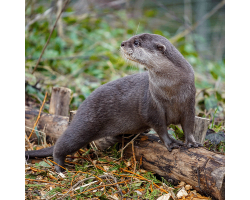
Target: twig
(50, 36)
(121, 150)
(35, 180)
(47, 162)
(133, 150)
(27, 139)
(38, 117)
(57, 164)
(101, 186)
(37, 130)
(60, 23)
(204, 89)
(115, 180)
(122, 146)
(204, 18)
(37, 17)
(141, 177)
(74, 187)
(99, 178)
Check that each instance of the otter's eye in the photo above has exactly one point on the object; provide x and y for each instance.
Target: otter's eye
(136, 43)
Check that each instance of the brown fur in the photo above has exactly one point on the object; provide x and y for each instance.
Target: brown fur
(155, 99)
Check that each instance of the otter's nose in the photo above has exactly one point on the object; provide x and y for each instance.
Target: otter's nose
(122, 44)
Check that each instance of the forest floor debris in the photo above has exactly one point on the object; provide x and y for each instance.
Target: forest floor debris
(100, 176)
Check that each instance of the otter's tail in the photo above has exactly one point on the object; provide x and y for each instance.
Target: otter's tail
(42, 153)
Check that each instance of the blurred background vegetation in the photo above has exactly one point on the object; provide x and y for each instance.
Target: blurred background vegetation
(83, 52)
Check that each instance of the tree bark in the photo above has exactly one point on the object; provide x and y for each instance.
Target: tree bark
(203, 169)
(59, 102)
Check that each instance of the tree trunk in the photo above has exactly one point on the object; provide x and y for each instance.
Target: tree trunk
(59, 102)
(203, 169)
(200, 130)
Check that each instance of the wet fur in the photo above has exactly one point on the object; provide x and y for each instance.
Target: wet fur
(155, 99)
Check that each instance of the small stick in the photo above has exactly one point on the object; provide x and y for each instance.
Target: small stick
(122, 146)
(47, 162)
(42, 181)
(50, 36)
(27, 139)
(133, 150)
(101, 186)
(144, 179)
(86, 173)
(57, 164)
(129, 142)
(38, 117)
(37, 130)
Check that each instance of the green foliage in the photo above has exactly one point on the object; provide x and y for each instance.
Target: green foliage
(44, 164)
(177, 132)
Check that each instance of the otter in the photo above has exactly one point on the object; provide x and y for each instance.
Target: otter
(163, 95)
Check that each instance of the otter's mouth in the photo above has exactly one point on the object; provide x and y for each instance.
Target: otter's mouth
(129, 56)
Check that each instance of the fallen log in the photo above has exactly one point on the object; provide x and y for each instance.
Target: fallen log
(203, 169)
(52, 125)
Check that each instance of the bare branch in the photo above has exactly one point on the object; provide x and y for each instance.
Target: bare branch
(50, 36)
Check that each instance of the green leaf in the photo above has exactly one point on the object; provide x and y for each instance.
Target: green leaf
(44, 164)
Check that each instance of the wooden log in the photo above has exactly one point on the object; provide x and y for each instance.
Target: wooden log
(54, 125)
(59, 102)
(200, 130)
(203, 169)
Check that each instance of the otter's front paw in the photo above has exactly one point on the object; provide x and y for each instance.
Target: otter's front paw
(190, 144)
(175, 144)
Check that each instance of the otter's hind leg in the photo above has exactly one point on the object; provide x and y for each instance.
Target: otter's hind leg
(67, 144)
(187, 124)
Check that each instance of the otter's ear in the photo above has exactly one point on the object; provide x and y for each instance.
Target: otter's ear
(161, 47)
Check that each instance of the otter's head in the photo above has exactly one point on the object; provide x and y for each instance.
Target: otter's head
(147, 49)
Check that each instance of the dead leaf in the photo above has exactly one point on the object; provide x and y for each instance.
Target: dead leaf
(138, 192)
(188, 187)
(115, 196)
(52, 177)
(142, 171)
(182, 193)
(106, 168)
(128, 163)
(164, 197)
(181, 184)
